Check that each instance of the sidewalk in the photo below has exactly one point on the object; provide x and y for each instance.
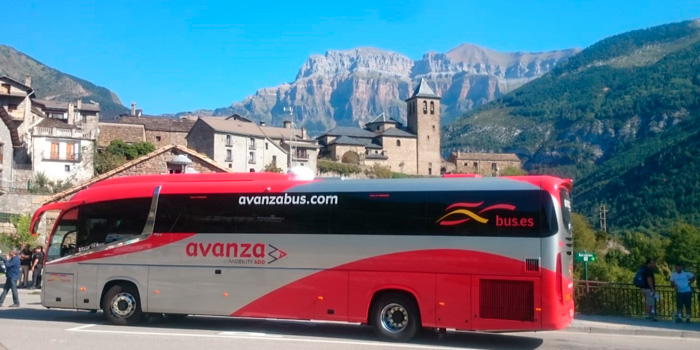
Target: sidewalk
(633, 326)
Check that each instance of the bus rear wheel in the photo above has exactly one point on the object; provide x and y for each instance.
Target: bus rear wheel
(121, 305)
(395, 317)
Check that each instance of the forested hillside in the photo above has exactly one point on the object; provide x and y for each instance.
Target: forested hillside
(620, 118)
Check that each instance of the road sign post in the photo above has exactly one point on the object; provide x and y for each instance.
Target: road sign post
(585, 257)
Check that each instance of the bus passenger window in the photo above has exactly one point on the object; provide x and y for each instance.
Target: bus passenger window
(106, 222)
(63, 240)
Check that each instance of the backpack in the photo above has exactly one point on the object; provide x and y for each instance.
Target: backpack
(639, 278)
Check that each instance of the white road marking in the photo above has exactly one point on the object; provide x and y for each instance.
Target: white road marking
(243, 336)
(82, 327)
(252, 334)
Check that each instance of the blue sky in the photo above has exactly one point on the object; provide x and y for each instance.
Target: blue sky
(172, 56)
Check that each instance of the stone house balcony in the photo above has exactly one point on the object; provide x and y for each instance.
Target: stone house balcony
(59, 132)
(61, 157)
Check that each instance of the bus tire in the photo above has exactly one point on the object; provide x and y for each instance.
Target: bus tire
(122, 306)
(395, 317)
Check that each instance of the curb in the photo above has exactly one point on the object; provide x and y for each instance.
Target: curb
(635, 332)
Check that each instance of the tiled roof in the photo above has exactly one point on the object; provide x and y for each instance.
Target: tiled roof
(347, 141)
(383, 118)
(153, 123)
(349, 131)
(396, 132)
(372, 145)
(423, 90)
(51, 104)
(26, 88)
(462, 156)
(190, 153)
(55, 123)
(239, 127)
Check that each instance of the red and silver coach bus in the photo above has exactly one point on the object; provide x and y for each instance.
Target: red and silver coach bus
(455, 253)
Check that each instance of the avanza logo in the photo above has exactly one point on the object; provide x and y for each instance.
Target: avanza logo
(237, 253)
(460, 213)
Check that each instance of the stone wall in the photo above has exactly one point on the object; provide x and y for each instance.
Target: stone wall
(126, 132)
(401, 158)
(484, 166)
(166, 138)
(19, 203)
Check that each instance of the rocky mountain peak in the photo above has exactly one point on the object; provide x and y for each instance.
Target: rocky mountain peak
(350, 61)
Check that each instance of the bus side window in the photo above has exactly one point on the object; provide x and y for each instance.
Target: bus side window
(105, 222)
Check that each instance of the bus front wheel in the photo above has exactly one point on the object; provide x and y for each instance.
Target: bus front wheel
(395, 316)
(121, 305)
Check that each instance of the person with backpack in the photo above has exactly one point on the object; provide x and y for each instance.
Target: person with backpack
(645, 280)
(682, 280)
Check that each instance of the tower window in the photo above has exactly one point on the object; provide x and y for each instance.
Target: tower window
(398, 143)
(425, 107)
(428, 137)
(432, 107)
(433, 127)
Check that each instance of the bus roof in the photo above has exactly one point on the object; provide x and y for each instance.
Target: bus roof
(143, 186)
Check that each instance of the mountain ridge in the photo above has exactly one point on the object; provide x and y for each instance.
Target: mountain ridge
(50, 83)
(348, 87)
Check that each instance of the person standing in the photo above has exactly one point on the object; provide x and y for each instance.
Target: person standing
(12, 265)
(649, 289)
(37, 266)
(25, 258)
(681, 280)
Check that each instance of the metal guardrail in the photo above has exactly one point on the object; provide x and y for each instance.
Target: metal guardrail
(622, 299)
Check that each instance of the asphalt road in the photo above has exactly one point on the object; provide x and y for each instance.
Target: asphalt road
(34, 327)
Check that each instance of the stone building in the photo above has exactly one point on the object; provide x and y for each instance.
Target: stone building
(410, 149)
(50, 137)
(245, 146)
(138, 127)
(172, 159)
(490, 164)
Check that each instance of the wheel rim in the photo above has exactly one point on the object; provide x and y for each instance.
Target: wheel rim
(123, 305)
(394, 318)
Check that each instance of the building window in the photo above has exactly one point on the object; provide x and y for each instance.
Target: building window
(252, 170)
(377, 127)
(494, 166)
(466, 164)
(301, 153)
(432, 108)
(228, 140)
(229, 155)
(274, 160)
(428, 137)
(1, 149)
(433, 127)
(230, 165)
(54, 150)
(251, 158)
(398, 143)
(67, 168)
(425, 107)
(157, 138)
(252, 143)
(71, 153)
(430, 171)
(476, 166)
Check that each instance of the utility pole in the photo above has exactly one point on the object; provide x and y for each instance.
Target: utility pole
(603, 211)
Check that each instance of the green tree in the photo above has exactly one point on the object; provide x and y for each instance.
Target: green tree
(584, 236)
(272, 168)
(22, 234)
(513, 171)
(119, 152)
(684, 246)
(378, 172)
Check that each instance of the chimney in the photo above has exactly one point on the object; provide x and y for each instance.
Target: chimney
(28, 80)
(133, 108)
(71, 114)
(303, 133)
(80, 104)
(287, 124)
(262, 123)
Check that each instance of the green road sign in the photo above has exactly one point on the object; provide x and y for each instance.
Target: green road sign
(585, 257)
